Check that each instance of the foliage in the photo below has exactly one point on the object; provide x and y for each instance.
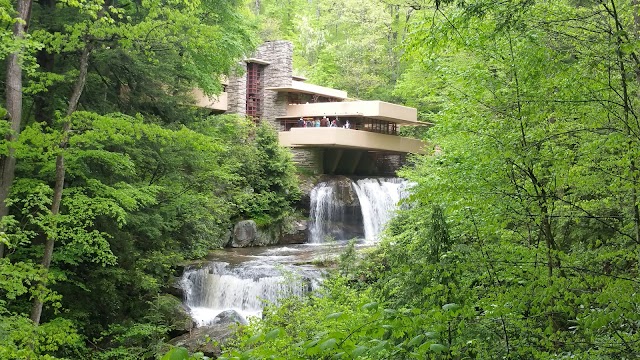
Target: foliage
(149, 179)
(351, 45)
(520, 238)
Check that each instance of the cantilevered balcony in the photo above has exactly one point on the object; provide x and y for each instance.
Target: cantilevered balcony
(332, 137)
(378, 110)
(210, 102)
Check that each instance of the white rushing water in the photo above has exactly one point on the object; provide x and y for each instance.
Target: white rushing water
(378, 202)
(326, 209)
(332, 207)
(219, 287)
(243, 279)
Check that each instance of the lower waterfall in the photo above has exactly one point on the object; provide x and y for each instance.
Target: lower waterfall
(244, 287)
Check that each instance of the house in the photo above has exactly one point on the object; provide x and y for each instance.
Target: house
(268, 91)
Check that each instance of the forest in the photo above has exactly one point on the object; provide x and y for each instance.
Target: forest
(520, 238)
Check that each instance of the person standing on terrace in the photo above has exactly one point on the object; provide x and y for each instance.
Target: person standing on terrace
(324, 122)
(317, 123)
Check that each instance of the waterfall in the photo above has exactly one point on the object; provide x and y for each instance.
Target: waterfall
(342, 209)
(378, 201)
(335, 212)
(326, 210)
(243, 279)
(219, 287)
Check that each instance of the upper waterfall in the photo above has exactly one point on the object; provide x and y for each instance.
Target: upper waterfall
(342, 209)
(378, 201)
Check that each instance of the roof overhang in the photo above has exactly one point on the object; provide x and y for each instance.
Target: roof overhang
(218, 102)
(257, 61)
(306, 88)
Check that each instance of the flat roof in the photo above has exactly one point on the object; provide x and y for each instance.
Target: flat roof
(257, 61)
(379, 110)
(306, 88)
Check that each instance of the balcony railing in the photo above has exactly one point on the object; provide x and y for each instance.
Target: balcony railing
(349, 138)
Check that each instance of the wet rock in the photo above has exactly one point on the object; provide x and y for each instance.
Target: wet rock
(226, 239)
(207, 340)
(244, 233)
(228, 317)
(294, 232)
(174, 287)
(181, 321)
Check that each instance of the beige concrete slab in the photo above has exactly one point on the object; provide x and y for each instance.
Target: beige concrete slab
(372, 109)
(214, 103)
(306, 88)
(349, 138)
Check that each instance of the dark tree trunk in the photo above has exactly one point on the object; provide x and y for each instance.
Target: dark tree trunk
(14, 107)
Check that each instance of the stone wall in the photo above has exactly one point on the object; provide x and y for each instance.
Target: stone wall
(311, 159)
(277, 73)
(237, 92)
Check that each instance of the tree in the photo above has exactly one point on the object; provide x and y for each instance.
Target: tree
(17, 51)
(80, 182)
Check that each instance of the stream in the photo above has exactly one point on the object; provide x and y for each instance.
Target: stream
(243, 279)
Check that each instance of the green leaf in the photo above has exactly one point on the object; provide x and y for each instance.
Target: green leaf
(370, 306)
(255, 338)
(416, 340)
(177, 353)
(359, 351)
(378, 347)
(430, 335)
(450, 307)
(271, 335)
(329, 344)
(437, 348)
(334, 315)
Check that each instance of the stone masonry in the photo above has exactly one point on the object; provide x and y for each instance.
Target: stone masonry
(237, 92)
(277, 73)
(309, 158)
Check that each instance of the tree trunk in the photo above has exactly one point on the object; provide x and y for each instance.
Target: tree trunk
(14, 107)
(36, 310)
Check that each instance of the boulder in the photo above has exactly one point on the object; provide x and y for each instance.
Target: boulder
(174, 287)
(244, 233)
(208, 340)
(181, 320)
(226, 239)
(294, 232)
(229, 317)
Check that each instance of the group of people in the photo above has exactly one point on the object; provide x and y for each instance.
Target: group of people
(324, 122)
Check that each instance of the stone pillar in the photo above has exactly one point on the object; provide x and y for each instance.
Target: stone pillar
(237, 92)
(278, 73)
